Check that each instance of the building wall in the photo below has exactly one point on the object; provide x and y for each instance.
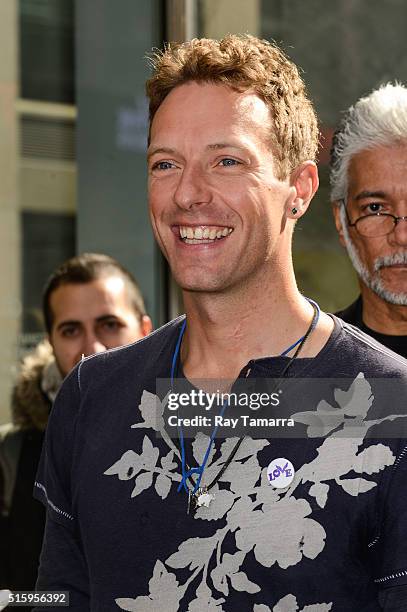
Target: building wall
(10, 307)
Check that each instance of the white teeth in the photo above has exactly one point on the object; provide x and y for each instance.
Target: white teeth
(192, 235)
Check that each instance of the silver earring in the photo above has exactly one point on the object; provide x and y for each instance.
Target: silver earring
(294, 211)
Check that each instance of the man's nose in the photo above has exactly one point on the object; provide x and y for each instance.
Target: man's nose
(193, 188)
(399, 235)
(92, 345)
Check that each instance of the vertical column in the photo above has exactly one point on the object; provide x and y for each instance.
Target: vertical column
(182, 20)
(230, 17)
(112, 39)
(9, 207)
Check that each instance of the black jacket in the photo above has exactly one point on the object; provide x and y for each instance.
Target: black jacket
(22, 518)
(353, 315)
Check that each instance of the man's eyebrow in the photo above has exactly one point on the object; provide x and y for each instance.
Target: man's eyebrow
(370, 194)
(68, 322)
(101, 319)
(107, 317)
(226, 145)
(155, 150)
(214, 146)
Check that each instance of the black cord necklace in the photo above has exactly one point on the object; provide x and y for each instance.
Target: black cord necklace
(199, 495)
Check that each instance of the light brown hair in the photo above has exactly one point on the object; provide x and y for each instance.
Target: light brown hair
(244, 63)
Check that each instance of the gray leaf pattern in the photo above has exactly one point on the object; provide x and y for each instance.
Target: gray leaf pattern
(373, 459)
(354, 486)
(205, 601)
(150, 454)
(240, 582)
(163, 485)
(131, 464)
(274, 525)
(355, 403)
(192, 553)
(199, 447)
(320, 492)
(152, 411)
(229, 568)
(283, 535)
(242, 507)
(289, 604)
(143, 482)
(357, 400)
(248, 448)
(127, 467)
(168, 462)
(286, 604)
(221, 503)
(164, 596)
(242, 476)
(322, 607)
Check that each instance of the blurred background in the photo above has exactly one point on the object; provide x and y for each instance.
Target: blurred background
(73, 128)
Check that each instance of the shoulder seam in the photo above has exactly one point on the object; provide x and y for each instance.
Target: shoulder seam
(382, 350)
(119, 348)
(79, 375)
(40, 486)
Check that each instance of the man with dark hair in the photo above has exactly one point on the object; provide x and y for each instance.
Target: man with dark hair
(91, 303)
(369, 194)
(266, 523)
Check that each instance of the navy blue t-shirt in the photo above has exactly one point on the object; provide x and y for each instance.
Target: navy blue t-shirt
(118, 536)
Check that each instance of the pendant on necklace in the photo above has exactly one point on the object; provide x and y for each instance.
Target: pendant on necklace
(201, 498)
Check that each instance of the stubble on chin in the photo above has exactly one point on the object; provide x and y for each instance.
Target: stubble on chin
(373, 280)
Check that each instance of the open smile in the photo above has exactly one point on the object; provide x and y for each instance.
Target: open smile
(203, 234)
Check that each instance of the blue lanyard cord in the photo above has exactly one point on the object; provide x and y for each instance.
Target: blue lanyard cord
(314, 324)
(176, 351)
(200, 469)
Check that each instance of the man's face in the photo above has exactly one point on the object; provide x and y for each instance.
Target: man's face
(377, 183)
(92, 317)
(216, 206)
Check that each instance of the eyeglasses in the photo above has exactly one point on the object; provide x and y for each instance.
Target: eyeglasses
(374, 224)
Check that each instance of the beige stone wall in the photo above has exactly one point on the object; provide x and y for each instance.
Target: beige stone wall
(10, 305)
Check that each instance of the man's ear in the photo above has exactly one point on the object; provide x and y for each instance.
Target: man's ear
(146, 325)
(336, 211)
(304, 182)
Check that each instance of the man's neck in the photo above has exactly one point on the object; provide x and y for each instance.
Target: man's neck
(224, 332)
(382, 317)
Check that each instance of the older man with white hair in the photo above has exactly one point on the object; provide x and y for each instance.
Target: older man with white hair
(369, 195)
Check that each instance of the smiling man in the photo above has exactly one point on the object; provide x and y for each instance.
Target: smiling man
(141, 521)
(369, 195)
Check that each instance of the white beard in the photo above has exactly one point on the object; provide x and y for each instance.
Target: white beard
(374, 280)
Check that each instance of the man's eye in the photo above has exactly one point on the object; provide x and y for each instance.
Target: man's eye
(69, 332)
(163, 165)
(111, 325)
(227, 161)
(374, 207)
